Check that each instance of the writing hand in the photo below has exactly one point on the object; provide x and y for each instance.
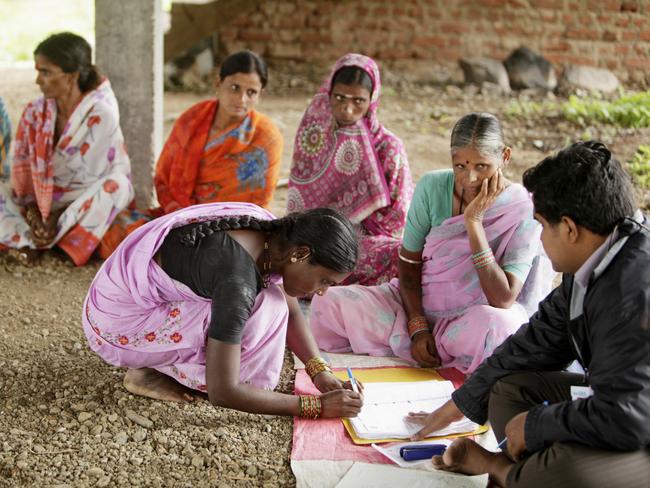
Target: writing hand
(340, 403)
(515, 435)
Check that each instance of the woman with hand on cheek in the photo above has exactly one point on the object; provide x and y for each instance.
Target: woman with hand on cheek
(471, 265)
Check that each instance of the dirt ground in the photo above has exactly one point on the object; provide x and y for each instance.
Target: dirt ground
(65, 419)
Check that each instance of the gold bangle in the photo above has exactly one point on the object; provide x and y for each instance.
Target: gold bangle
(407, 260)
(417, 324)
(316, 366)
(310, 407)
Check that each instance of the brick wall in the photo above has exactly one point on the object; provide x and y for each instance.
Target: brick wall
(612, 34)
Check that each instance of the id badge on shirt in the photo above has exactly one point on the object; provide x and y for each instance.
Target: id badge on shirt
(578, 392)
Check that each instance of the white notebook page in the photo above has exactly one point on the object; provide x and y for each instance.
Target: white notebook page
(386, 406)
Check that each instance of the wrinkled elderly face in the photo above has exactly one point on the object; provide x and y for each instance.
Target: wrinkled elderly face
(51, 79)
(471, 168)
(349, 103)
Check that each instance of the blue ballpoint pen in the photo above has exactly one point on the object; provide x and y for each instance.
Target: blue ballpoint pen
(353, 382)
(505, 439)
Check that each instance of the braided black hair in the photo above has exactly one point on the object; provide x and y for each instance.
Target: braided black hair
(584, 182)
(328, 234)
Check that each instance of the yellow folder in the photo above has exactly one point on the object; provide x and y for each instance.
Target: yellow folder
(386, 375)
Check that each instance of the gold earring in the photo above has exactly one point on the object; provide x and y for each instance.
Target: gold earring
(319, 293)
(294, 259)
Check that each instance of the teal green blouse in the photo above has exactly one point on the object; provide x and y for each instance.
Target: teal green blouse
(431, 206)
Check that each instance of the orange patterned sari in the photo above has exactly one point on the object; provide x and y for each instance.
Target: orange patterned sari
(239, 164)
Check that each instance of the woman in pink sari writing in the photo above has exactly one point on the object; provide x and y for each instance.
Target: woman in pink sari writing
(345, 159)
(471, 265)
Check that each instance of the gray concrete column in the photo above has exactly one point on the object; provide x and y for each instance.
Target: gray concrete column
(129, 50)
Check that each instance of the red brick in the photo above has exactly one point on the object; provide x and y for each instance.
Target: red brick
(454, 27)
(428, 41)
(255, 35)
(610, 36)
(559, 45)
(291, 22)
(633, 63)
(493, 3)
(517, 4)
(549, 4)
(582, 34)
(622, 21)
(629, 36)
(606, 5)
(621, 49)
(644, 35)
(612, 64)
(630, 6)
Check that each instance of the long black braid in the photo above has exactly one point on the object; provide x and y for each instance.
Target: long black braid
(327, 233)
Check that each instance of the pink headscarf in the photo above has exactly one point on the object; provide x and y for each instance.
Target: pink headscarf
(338, 167)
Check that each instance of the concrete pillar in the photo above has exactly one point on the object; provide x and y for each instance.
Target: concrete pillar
(129, 50)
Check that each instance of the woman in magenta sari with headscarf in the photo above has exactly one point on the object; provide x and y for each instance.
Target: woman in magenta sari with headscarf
(471, 266)
(345, 159)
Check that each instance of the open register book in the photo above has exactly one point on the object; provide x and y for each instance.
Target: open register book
(386, 406)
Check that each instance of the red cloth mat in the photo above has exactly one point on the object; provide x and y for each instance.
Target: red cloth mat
(327, 439)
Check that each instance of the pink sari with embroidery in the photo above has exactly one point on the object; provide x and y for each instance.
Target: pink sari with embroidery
(360, 170)
(87, 173)
(372, 320)
(136, 316)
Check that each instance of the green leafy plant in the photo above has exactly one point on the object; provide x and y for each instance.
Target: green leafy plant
(631, 110)
(529, 108)
(639, 166)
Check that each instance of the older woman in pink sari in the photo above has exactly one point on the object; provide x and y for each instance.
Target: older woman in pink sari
(345, 159)
(472, 267)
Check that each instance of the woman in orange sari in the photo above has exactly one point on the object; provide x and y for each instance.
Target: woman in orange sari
(223, 150)
(219, 150)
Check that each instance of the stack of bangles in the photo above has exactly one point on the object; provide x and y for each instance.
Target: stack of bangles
(417, 324)
(483, 258)
(310, 407)
(316, 366)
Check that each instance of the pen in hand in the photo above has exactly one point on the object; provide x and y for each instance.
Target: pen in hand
(353, 382)
(505, 439)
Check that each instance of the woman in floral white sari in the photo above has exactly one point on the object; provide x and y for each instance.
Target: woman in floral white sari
(71, 174)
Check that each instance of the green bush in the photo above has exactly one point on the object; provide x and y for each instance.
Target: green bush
(639, 166)
(632, 110)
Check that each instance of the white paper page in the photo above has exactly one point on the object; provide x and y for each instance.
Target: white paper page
(386, 406)
(362, 475)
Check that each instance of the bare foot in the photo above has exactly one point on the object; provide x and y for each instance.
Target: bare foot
(153, 384)
(466, 456)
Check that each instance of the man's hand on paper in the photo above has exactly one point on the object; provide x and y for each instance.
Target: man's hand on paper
(423, 350)
(340, 403)
(515, 435)
(436, 420)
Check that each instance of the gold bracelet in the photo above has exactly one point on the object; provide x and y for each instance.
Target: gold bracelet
(310, 407)
(407, 260)
(417, 324)
(316, 366)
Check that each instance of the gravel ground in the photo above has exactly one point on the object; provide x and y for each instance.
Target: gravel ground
(65, 419)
